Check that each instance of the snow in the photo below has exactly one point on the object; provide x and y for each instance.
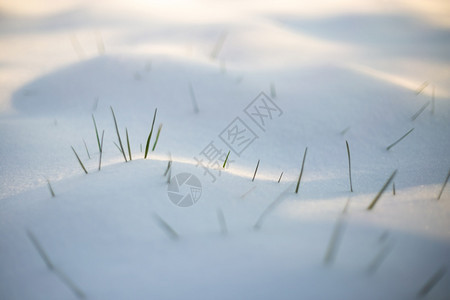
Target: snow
(336, 72)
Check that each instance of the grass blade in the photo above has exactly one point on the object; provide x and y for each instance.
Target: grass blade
(226, 159)
(166, 227)
(157, 137)
(428, 286)
(87, 151)
(96, 132)
(50, 188)
(118, 134)
(79, 160)
(256, 170)
(169, 165)
(281, 175)
(443, 186)
(128, 144)
(118, 147)
(101, 152)
(194, 100)
(349, 167)
(414, 117)
(150, 135)
(393, 188)
(374, 201)
(397, 141)
(301, 171)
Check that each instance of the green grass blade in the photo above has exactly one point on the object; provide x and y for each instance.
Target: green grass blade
(374, 201)
(118, 135)
(157, 137)
(101, 152)
(226, 159)
(87, 151)
(281, 175)
(79, 160)
(150, 135)
(96, 132)
(128, 144)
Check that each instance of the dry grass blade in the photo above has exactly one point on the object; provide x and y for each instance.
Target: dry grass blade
(256, 170)
(349, 167)
(79, 160)
(398, 141)
(118, 135)
(301, 171)
(443, 186)
(281, 175)
(377, 197)
(50, 188)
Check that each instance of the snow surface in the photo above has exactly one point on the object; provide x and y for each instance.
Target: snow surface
(338, 72)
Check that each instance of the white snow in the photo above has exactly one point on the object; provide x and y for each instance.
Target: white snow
(346, 70)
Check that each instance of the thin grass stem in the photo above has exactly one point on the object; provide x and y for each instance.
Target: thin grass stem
(150, 135)
(301, 171)
(79, 160)
(377, 197)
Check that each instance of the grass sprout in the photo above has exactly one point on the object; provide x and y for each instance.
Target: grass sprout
(150, 134)
(96, 133)
(226, 159)
(101, 152)
(128, 144)
(79, 160)
(157, 137)
(281, 175)
(50, 188)
(87, 151)
(118, 135)
(417, 114)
